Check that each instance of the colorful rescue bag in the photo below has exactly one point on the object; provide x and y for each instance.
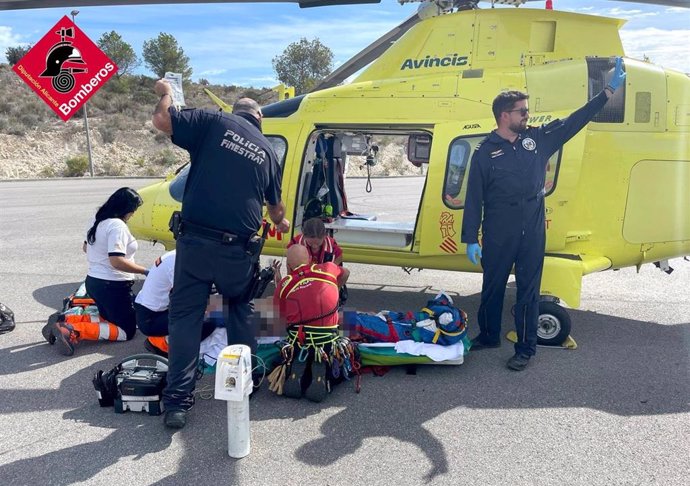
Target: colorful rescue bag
(439, 322)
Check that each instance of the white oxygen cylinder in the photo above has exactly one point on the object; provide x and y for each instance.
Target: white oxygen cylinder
(234, 384)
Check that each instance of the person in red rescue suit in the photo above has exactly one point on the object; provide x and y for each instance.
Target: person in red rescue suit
(505, 196)
(321, 247)
(110, 249)
(152, 302)
(308, 298)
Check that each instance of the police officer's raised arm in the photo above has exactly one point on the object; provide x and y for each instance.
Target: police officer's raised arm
(161, 116)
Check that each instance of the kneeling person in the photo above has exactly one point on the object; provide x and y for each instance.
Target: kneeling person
(321, 247)
(152, 302)
(307, 299)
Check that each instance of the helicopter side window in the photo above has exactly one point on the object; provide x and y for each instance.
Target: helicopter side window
(599, 72)
(552, 167)
(456, 169)
(454, 191)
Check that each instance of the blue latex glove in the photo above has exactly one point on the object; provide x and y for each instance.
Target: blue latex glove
(618, 77)
(474, 252)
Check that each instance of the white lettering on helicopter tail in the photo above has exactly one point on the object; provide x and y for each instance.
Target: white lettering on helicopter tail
(243, 147)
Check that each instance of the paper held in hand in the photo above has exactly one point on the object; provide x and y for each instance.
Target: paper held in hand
(175, 80)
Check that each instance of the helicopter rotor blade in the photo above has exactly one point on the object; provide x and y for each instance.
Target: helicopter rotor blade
(368, 54)
(26, 4)
(666, 3)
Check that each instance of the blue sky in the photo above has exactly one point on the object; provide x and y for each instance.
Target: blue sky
(234, 43)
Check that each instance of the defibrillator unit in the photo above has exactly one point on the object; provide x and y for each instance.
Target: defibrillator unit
(136, 384)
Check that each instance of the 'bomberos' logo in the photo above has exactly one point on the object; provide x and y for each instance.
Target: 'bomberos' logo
(65, 68)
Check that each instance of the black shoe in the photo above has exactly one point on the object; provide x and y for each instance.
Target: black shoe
(47, 330)
(151, 348)
(256, 385)
(65, 338)
(293, 382)
(518, 362)
(478, 344)
(175, 419)
(317, 390)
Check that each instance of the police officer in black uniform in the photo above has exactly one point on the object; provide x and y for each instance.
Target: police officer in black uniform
(233, 170)
(506, 182)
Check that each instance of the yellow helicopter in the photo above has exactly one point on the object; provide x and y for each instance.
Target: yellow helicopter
(616, 194)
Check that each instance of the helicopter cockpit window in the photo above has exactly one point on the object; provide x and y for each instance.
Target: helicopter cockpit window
(280, 147)
(599, 72)
(178, 183)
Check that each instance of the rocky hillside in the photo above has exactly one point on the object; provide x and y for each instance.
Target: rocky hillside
(35, 143)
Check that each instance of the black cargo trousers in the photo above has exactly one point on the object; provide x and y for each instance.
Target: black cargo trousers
(200, 263)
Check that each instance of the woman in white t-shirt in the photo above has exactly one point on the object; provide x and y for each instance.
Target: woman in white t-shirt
(110, 249)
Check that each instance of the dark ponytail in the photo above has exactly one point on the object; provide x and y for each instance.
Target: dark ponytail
(122, 202)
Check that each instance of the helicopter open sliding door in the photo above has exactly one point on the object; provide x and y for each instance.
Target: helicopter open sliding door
(444, 196)
(347, 178)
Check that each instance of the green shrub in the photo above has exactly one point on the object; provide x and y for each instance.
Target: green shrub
(117, 85)
(146, 98)
(77, 166)
(113, 169)
(166, 158)
(140, 162)
(47, 172)
(108, 133)
(15, 128)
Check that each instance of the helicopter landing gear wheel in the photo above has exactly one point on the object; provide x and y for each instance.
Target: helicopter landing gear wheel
(554, 324)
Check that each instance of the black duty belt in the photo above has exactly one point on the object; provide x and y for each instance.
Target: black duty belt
(213, 234)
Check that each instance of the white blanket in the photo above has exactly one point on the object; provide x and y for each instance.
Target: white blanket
(434, 351)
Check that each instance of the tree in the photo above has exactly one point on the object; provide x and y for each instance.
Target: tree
(14, 54)
(119, 51)
(162, 54)
(303, 64)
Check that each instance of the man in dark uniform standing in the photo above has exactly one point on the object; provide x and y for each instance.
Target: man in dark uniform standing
(506, 182)
(233, 170)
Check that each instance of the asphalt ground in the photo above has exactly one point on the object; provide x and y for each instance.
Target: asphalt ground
(614, 411)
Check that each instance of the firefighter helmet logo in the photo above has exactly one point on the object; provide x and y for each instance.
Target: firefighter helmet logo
(65, 68)
(60, 60)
